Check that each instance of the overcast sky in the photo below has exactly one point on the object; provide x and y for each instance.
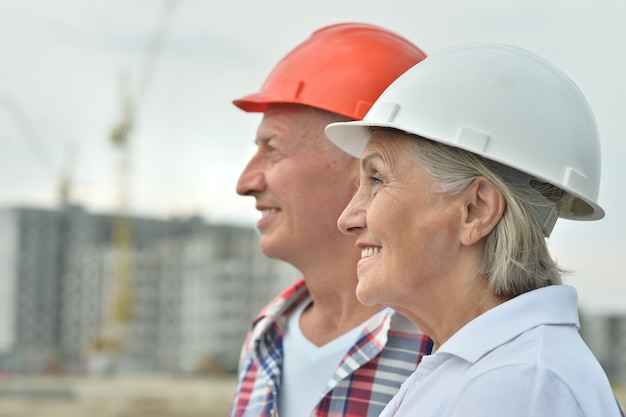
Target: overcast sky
(60, 66)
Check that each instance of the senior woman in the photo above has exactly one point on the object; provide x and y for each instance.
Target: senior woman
(467, 160)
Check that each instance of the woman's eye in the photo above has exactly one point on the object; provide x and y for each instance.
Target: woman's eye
(375, 182)
(376, 179)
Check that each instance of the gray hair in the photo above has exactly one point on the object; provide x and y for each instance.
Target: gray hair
(516, 258)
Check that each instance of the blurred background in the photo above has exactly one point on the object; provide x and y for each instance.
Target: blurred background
(129, 267)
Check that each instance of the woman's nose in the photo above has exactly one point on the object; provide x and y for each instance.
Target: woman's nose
(352, 219)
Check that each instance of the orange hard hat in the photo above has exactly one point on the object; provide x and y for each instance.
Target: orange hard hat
(341, 68)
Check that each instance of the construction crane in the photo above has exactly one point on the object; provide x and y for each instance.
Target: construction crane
(39, 150)
(120, 303)
(120, 306)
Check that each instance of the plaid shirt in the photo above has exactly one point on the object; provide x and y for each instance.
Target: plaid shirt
(385, 354)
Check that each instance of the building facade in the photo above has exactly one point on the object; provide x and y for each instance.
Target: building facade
(605, 334)
(191, 292)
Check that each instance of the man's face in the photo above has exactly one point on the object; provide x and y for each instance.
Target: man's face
(301, 183)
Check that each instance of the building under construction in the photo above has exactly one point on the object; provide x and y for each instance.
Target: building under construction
(192, 291)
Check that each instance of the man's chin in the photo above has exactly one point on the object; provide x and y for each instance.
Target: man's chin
(271, 247)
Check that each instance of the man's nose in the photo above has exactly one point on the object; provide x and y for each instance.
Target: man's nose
(252, 178)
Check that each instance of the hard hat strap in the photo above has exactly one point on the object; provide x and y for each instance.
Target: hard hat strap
(546, 207)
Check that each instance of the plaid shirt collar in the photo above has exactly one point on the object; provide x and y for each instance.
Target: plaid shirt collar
(371, 372)
(277, 311)
(373, 338)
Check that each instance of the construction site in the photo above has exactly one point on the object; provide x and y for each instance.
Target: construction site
(118, 314)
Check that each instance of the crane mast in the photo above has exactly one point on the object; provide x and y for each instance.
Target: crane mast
(120, 306)
(119, 309)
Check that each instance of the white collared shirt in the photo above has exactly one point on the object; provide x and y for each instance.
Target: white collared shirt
(523, 358)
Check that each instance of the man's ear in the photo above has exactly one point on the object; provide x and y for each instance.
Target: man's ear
(483, 209)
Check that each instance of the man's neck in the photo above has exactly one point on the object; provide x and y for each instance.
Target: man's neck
(334, 311)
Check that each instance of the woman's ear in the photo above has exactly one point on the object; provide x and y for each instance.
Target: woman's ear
(484, 207)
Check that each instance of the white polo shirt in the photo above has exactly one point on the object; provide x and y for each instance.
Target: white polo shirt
(523, 358)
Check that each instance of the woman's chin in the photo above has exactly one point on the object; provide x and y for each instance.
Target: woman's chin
(366, 296)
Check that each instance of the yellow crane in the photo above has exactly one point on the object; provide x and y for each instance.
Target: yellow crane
(119, 312)
(120, 304)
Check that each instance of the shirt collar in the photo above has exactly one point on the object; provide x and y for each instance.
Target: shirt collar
(373, 338)
(277, 310)
(555, 304)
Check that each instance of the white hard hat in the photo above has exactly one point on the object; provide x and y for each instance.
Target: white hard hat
(501, 102)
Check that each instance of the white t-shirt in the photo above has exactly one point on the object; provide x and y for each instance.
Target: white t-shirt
(308, 368)
(522, 358)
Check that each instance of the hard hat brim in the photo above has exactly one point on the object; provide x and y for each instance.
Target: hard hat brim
(257, 102)
(352, 138)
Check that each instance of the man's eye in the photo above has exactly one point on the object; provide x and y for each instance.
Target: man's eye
(271, 151)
